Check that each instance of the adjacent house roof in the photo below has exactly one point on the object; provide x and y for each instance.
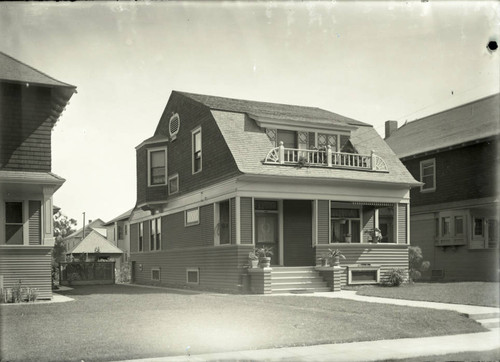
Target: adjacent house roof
(250, 145)
(94, 241)
(97, 223)
(121, 217)
(469, 122)
(14, 70)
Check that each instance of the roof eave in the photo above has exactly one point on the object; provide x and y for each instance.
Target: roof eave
(271, 122)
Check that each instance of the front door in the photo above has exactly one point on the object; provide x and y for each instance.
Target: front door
(297, 233)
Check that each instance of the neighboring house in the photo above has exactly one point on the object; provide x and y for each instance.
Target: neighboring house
(221, 176)
(454, 215)
(31, 102)
(96, 246)
(72, 240)
(118, 233)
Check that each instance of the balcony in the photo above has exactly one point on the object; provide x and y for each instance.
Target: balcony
(325, 158)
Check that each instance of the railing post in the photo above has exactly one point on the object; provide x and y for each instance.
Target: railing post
(281, 153)
(373, 160)
(329, 155)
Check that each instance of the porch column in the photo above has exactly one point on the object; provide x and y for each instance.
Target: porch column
(47, 222)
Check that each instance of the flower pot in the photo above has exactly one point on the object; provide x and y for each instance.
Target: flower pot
(254, 263)
(348, 239)
(336, 260)
(265, 262)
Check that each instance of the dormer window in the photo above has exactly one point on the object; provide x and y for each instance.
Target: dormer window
(157, 167)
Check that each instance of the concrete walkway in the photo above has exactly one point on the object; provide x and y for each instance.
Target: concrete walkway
(372, 350)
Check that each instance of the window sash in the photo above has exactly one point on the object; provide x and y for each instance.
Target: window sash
(428, 175)
(157, 167)
(197, 147)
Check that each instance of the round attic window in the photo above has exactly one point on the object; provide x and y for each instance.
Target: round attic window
(173, 125)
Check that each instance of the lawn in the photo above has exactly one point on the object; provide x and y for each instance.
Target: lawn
(125, 322)
(493, 355)
(471, 293)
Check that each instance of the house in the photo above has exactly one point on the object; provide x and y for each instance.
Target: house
(75, 238)
(31, 102)
(221, 176)
(454, 215)
(96, 247)
(118, 233)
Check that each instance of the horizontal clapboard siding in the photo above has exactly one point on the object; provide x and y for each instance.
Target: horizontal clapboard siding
(323, 221)
(220, 268)
(246, 220)
(31, 265)
(402, 223)
(387, 256)
(34, 222)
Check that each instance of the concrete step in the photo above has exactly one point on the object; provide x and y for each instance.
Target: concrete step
(298, 285)
(297, 279)
(292, 279)
(301, 290)
(293, 268)
(285, 274)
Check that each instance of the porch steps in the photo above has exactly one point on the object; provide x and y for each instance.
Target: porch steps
(297, 280)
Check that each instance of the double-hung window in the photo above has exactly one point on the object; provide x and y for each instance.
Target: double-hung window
(14, 223)
(141, 237)
(155, 234)
(157, 167)
(451, 228)
(428, 175)
(196, 144)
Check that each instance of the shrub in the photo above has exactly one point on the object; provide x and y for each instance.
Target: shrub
(32, 294)
(124, 273)
(395, 278)
(416, 263)
(17, 292)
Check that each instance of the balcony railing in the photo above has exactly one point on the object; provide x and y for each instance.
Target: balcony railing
(325, 158)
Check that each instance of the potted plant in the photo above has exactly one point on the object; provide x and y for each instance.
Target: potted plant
(347, 238)
(264, 254)
(376, 235)
(324, 261)
(253, 259)
(335, 255)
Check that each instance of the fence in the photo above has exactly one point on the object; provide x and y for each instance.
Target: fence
(79, 273)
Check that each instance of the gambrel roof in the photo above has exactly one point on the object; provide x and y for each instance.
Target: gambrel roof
(466, 123)
(14, 70)
(249, 143)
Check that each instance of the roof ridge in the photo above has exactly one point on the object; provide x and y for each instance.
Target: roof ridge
(36, 70)
(446, 110)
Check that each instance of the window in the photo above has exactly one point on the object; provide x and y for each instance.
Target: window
(492, 233)
(155, 274)
(478, 229)
(141, 236)
(120, 232)
(155, 234)
(428, 175)
(14, 223)
(223, 223)
(450, 228)
(192, 217)
(196, 141)
(193, 276)
(157, 167)
(345, 225)
(484, 232)
(126, 229)
(324, 140)
(173, 184)
(266, 222)
(173, 126)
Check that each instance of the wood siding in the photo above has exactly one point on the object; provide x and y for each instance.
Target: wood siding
(461, 174)
(388, 256)
(220, 268)
(25, 129)
(246, 220)
(35, 237)
(402, 223)
(323, 221)
(134, 237)
(31, 265)
(233, 220)
(456, 263)
(297, 244)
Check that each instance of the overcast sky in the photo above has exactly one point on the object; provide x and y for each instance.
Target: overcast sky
(371, 61)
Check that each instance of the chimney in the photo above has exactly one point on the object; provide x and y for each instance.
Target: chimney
(390, 127)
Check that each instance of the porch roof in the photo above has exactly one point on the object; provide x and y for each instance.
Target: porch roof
(250, 145)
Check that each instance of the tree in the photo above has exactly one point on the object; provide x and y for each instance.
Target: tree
(63, 226)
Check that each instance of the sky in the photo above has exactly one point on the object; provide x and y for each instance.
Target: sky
(371, 61)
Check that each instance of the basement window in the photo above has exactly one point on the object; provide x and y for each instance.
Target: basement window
(155, 274)
(193, 276)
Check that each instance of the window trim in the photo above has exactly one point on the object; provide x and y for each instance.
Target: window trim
(140, 238)
(174, 176)
(150, 151)
(217, 221)
(194, 132)
(158, 269)
(20, 224)
(155, 234)
(197, 270)
(192, 223)
(431, 161)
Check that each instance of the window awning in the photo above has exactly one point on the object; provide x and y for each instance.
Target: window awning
(369, 203)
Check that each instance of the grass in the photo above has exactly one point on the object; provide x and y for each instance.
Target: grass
(124, 322)
(493, 355)
(471, 293)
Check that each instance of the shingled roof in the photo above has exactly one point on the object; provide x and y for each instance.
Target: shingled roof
(14, 70)
(469, 122)
(275, 110)
(94, 241)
